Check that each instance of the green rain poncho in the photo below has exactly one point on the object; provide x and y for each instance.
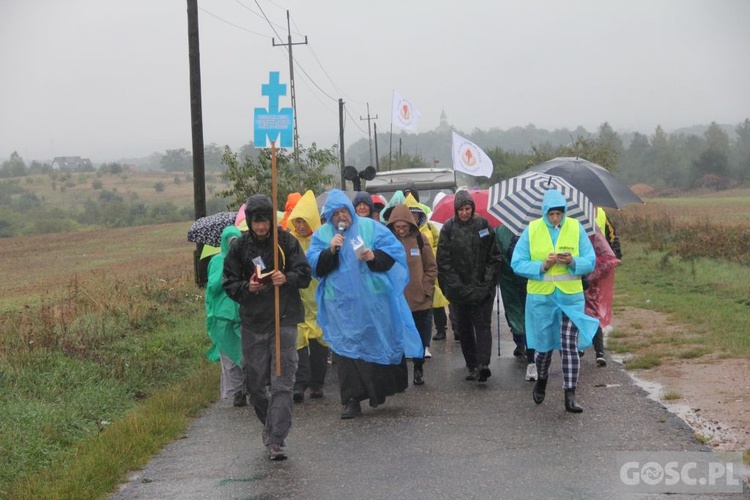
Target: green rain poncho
(222, 313)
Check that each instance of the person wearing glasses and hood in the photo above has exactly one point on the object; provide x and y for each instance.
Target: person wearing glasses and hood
(553, 253)
(256, 297)
(468, 260)
(422, 274)
(362, 272)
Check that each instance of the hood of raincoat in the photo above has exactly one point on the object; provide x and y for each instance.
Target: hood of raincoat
(336, 200)
(398, 197)
(257, 204)
(229, 233)
(416, 209)
(411, 189)
(291, 201)
(378, 202)
(307, 209)
(402, 213)
(364, 197)
(553, 198)
(462, 197)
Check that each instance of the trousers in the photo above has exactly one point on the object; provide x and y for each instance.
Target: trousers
(270, 395)
(571, 363)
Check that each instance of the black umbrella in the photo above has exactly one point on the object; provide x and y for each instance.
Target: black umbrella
(207, 230)
(596, 182)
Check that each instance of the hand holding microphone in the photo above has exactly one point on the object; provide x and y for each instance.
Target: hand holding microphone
(338, 239)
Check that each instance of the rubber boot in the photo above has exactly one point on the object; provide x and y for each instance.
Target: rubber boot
(570, 402)
(540, 390)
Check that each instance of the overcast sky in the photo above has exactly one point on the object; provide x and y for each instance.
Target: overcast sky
(108, 79)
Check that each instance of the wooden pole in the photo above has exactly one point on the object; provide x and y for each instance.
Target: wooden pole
(274, 227)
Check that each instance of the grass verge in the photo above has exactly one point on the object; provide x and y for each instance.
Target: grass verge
(709, 296)
(98, 464)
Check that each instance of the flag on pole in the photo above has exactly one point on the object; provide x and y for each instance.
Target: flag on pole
(405, 115)
(469, 158)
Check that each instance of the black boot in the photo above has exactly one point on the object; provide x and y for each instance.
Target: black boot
(418, 376)
(540, 390)
(351, 409)
(484, 373)
(570, 402)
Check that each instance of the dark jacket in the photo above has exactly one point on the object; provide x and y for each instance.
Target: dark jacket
(257, 310)
(468, 256)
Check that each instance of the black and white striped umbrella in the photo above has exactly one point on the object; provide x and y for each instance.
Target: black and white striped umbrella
(518, 201)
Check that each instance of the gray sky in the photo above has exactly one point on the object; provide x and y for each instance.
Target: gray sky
(108, 79)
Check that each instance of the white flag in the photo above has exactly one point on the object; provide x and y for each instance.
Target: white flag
(469, 158)
(405, 115)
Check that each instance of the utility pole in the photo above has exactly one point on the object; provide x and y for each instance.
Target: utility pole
(369, 136)
(288, 45)
(341, 143)
(196, 122)
(377, 159)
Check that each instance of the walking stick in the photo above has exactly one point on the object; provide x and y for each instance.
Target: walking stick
(497, 292)
(274, 228)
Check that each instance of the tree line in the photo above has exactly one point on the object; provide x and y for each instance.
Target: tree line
(679, 161)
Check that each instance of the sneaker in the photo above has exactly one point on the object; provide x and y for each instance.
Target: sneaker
(351, 409)
(275, 452)
(298, 396)
(600, 359)
(484, 373)
(239, 399)
(519, 351)
(473, 374)
(439, 335)
(427, 353)
(531, 374)
(316, 393)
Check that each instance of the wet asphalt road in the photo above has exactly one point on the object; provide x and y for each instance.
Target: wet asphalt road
(449, 438)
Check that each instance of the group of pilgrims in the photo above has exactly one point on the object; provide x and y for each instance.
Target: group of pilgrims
(362, 284)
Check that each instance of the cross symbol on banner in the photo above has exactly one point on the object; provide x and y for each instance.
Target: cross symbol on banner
(273, 89)
(272, 123)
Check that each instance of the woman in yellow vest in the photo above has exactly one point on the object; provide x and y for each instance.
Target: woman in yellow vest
(553, 253)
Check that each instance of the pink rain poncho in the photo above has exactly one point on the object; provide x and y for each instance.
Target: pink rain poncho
(601, 281)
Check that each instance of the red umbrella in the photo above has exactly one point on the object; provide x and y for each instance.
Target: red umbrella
(444, 209)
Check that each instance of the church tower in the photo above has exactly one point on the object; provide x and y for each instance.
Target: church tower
(443, 122)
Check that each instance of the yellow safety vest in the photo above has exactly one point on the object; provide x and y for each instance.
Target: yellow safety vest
(540, 245)
(601, 219)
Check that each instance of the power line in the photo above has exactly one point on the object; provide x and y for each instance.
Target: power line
(231, 23)
(259, 15)
(264, 16)
(354, 120)
(315, 56)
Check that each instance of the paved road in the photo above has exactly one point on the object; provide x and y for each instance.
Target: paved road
(447, 439)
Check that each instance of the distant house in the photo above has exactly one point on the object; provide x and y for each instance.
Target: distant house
(72, 164)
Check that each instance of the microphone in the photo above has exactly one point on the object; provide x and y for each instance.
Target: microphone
(341, 229)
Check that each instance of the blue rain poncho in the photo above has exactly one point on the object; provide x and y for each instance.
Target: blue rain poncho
(544, 312)
(364, 314)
